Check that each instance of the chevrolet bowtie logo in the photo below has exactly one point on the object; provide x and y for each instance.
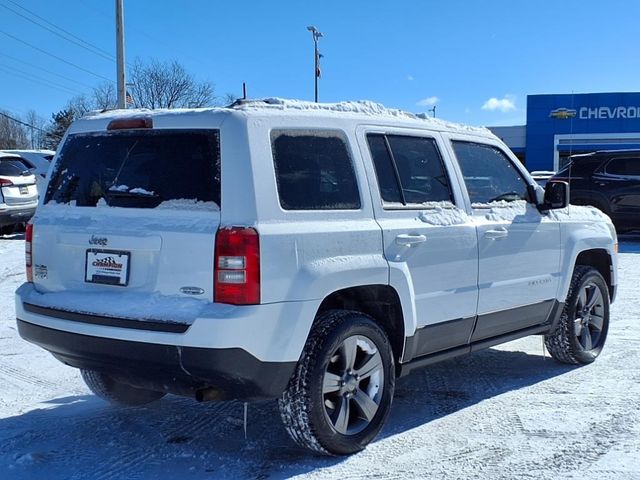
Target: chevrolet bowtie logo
(562, 113)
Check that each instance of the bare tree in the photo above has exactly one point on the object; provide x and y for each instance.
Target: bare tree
(36, 129)
(167, 85)
(104, 96)
(79, 105)
(12, 133)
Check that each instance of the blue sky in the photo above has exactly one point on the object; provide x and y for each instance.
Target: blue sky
(477, 60)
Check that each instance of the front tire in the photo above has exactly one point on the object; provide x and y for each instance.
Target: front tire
(584, 323)
(341, 391)
(118, 393)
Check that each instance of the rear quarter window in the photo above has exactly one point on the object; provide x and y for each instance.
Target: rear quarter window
(139, 169)
(314, 170)
(13, 167)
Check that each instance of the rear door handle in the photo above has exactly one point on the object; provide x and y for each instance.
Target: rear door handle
(497, 233)
(407, 240)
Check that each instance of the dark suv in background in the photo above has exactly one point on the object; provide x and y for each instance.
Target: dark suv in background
(608, 180)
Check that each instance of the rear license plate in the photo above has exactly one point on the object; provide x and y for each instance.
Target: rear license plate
(110, 267)
(24, 190)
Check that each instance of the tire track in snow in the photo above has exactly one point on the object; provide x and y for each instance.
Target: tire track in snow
(122, 466)
(17, 374)
(210, 419)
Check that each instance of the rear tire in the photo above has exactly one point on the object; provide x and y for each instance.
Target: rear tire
(582, 331)
(7, 230)
(118, 393)
(341, 391)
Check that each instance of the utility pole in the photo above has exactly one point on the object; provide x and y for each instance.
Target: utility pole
(120, 55)
(316, 55)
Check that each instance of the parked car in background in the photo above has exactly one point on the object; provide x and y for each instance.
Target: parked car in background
(608, 180)
(18, 192)
(38, 162)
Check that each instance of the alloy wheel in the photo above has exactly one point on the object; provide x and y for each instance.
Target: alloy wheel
(589, 317)
(353, 385)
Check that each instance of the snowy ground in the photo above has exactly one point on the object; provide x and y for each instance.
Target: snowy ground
(499, 414)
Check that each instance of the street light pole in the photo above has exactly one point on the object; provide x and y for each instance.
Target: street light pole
(316, 55)
(120, 75)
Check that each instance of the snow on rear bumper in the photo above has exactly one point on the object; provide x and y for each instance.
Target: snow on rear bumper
(273, 332)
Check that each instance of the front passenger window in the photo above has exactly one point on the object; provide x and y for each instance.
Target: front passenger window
(489, 174)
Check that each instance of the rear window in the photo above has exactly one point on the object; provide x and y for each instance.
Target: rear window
(13, 167)
(314, 171)
(139, 169)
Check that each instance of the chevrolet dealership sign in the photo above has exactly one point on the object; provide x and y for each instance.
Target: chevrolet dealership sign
(588, 118)
(608, 113)
(596, 113)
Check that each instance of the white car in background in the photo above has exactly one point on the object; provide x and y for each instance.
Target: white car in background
(38, 162)
(18, 192)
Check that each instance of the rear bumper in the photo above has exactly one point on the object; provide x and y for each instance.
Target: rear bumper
(232, 372)
(13, 215)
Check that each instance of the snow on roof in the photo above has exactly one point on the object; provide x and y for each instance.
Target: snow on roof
(361, 108)
(4, 154)
(365, 108)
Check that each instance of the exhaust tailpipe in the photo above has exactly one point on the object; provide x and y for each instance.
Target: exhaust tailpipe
(208, 395)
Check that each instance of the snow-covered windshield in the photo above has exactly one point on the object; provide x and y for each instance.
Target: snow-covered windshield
(137, 168)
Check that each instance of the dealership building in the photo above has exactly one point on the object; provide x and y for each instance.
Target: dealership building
(562, 125)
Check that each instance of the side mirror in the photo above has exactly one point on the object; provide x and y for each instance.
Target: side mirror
(556, 195)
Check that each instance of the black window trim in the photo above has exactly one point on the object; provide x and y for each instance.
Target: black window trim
(606, 163)
(390, 206)
(509, 159)
(338, 133)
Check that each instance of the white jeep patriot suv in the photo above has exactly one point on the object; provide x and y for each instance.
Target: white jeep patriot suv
(306, 252)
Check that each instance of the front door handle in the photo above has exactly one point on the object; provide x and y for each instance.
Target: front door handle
(406, 240)
(497, 233)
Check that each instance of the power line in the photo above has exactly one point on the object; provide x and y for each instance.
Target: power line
(78, 41)
(22, 123)
(55, 56)
(35, 78)
(45, 70)
(39, 81)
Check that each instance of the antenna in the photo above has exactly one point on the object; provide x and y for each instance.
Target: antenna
(571, 145)
(244, 90)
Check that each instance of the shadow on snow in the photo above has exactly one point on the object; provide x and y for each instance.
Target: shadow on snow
(82, 437)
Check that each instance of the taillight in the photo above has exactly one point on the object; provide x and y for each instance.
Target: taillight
(128, 123)
(237, 266)
(5, 182)
(28, 251)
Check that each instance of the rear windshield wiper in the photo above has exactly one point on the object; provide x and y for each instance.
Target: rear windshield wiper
(133, 193)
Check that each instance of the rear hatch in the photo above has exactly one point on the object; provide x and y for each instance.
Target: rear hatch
(128, 223)
(17, 183)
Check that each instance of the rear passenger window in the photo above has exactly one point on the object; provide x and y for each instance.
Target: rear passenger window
(314, 171)
(624, 166)
(410, 170)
